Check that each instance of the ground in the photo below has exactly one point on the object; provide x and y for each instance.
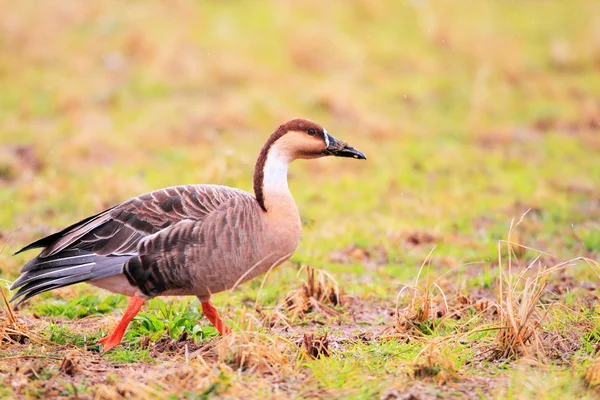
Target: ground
(460, 260)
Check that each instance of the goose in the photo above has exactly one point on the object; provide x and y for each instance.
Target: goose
(193, 240)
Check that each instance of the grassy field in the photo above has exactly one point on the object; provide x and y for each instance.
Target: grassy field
(459, 261)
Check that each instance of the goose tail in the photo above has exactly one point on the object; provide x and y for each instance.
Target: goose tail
(65, 268)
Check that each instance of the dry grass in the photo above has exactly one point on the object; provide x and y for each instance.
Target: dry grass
(254, 352)
(520, 290)
(520, 318)
(519, 296)
(435, 362)
(12, 330)
(424, 308)
(219, 366)
(316, 346)
(592, 374)
(318, 294)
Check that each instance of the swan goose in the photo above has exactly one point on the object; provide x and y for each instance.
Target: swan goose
(185, 240)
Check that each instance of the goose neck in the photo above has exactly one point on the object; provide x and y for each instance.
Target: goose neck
(270, 179)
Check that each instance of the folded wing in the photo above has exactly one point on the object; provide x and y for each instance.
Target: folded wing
(99, 246)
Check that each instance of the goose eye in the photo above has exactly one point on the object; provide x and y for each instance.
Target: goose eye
(311, 132)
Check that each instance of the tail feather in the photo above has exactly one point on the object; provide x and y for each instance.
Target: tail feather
(64, 269)
(62, 259)
(57, 272)
(51, 240)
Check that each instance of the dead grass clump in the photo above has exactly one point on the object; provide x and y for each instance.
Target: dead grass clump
(521, 315)
(415, 318)
(252, 351)
(521, 307)
(316, 346)
(159, 382)
(433, 363)
(318, 294)
(592, 374)
(419, 316)
(69, 366)
(520, 311)
(11, 330)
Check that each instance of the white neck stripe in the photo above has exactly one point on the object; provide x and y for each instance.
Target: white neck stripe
(275, 172)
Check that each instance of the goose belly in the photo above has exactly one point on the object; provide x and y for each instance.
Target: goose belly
(116, 284)
(227, 270)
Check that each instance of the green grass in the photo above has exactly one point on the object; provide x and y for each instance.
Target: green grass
(80, 307)
(468, 119)
(63, 335)
(131, 355)
(171, 319)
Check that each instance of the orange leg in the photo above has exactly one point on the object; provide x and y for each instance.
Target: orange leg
(213, 316)
(112, 340)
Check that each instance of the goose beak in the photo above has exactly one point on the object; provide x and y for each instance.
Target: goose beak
(338, 148)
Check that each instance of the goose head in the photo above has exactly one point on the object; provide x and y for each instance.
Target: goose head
(296, 139)
(305, 139)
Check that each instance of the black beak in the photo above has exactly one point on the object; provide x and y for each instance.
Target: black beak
(338, 148)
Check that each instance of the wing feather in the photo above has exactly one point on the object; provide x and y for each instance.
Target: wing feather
(174, 258)
(119, 229)
(104, 244)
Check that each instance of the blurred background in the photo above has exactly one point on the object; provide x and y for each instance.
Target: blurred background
(469, 115)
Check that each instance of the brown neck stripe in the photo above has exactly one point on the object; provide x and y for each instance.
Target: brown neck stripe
(298, 124)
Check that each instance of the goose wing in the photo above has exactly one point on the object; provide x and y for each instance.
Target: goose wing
(99, 246)
(119, 229)
(200, 257)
